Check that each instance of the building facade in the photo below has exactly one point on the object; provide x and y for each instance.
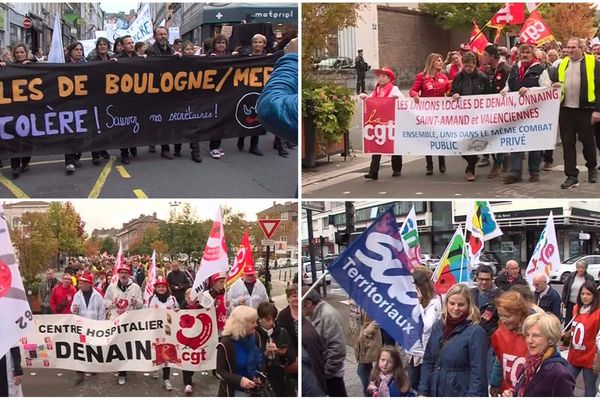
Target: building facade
(286, 235)
(13, 212)
(521, 221)
(132, 231)
(101, 234)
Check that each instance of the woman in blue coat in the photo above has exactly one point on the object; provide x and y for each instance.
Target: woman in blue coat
(455, 357)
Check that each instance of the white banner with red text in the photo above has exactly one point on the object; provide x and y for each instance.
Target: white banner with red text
(139, 340)
(468, 125)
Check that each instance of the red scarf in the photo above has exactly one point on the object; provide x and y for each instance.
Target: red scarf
(452, 323)
(532, 364)
(524, 66)
(383, 91)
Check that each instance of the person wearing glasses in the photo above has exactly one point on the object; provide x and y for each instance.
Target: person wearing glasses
(545, 296)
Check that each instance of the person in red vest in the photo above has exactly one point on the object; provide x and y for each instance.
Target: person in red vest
(584, 329)
(508, 342)
(432, 82)
(62, 296)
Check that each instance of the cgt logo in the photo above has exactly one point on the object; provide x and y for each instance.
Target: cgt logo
(195, 332)
(245, 112)
(379, 125)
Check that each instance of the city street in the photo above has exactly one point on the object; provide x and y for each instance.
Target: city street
(341, 178)
(339, 299)
(237, 174)
(40, 382)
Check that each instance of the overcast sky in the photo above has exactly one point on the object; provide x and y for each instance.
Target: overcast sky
(102, 214)
(118, 6)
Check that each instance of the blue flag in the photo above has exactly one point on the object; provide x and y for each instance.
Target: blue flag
(375, 271)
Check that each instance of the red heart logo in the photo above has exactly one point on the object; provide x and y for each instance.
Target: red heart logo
(5, 279)
(195, 342)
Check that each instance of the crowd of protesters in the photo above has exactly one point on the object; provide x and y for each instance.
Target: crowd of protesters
(257, 342)
(125, 48)
(497, 337)
(574, 68)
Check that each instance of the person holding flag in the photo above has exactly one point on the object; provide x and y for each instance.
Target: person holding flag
(215, 297)
(247, 291)
(455, 357)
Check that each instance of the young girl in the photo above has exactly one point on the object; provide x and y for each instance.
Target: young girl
(162, 298)
(389, 379)
(384, 88)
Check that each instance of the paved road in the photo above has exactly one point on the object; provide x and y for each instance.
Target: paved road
(237, 174)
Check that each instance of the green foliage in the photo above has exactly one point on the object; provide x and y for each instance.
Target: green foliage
(331, 108)
(67, 227)
(109, 246)
(183, 232)
(461, 15)
(32, 286)
(144, 245)
(34, 244)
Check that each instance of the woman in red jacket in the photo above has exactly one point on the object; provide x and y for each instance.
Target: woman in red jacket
(432, 82)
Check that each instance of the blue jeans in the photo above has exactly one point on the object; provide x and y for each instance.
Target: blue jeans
(364, 373)
(589, 379)
(534, 158)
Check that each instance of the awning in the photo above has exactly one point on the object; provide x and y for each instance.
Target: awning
(250, 12)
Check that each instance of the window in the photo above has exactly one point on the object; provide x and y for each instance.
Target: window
(283, 239)
(284, 215)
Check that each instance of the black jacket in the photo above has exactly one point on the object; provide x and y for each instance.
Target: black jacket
(488, 311)
(156, 50)
(286, 321)
(469, 84)
(583, 101)
(16, 369)
(530, 79)
(503, 284)
(550, 302)
(498, 76)
(569, 282)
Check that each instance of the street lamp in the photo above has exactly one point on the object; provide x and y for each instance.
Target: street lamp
(174, 205)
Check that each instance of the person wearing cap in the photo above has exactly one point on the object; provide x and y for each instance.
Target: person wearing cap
(524, 75)
(162, 298)
(384, 88)
(497, 70)
(361, 69)
(329, 326)
(178, 282)
(470, 81)
(579, 75)
(247, 291)
(87, 303)
(122, 296)
(431, 82)
(215, 297)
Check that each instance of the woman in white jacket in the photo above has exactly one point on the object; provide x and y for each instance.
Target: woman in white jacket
(162, 298)
(431, 307)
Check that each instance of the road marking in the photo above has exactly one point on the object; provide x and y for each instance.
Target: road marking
(101, 179)
(123, 172)
(139, 193)
(14, 189)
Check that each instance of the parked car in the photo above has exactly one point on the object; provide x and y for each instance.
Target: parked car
(330, 64)
(560, 273)
(490, 259)
(307, 275)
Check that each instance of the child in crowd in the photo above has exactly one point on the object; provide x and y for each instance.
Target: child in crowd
(389, 379)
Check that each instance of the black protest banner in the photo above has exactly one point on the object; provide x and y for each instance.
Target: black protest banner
(70, 108)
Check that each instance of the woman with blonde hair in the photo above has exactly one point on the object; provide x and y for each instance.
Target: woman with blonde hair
(432, 82)
(455, 357)
(239, 358)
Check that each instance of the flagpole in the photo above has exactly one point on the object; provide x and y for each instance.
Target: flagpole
(480, 30)
(314, 285)
(462, 256)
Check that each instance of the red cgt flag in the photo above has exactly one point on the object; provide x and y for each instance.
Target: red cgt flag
(510, 14)
(242, 259)
(478, 41)
(535, 30)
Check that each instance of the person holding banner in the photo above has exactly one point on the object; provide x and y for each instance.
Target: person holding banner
(239, 359)
(583, 331)
(163, 299)
(432, 82)
(11, 374)
(454, 360)
(190, 304)
(74, 55)
(545, 373)
(384, 87)
(120, 297)
(526, 74)
(470, 81)
(579, 74)
(215, 297)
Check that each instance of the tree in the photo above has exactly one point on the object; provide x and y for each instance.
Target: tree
(34, 244)
(66, 227)
(460, 16)
(319, 22)
(234, 225)
(567, 20)
(92, 247)
(184, 232)
(109, 246)
(160, 247)
(143, 246)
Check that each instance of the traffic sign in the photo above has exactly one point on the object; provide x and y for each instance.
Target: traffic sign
(269, 226)
(27, 23)
(267, 242)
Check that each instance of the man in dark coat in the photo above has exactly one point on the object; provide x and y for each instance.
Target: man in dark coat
(361, 68)
(46, 287)
(510, 276)
(178, 283)
(546, 297)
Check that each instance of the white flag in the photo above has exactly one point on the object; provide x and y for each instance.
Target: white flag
(17, 319)
(214, 259)
(150, 279)
(118, 263)
(546, 255)
(410, 239)
(140, 29)
(57, 52)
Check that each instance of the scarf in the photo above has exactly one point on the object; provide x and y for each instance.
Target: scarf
(255, 357)
(163, 297)
(123, 287)
(384, 384)
(383, 91)
(452, 323)
(532, 364)
(524, 66)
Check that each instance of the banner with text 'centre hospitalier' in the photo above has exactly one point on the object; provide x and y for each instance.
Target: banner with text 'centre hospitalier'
(140, 340)
(469, 125)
